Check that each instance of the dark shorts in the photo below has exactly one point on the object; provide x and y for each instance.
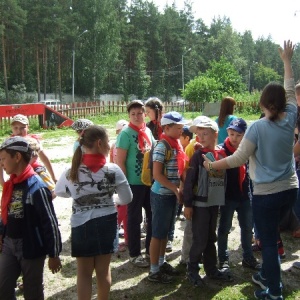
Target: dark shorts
(95, 237)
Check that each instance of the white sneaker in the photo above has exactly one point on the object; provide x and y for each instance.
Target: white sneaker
(139, 261)
(169, 246)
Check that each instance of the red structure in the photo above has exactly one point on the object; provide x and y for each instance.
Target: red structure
(48, 117)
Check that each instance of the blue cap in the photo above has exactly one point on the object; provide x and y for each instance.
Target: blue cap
(173, 117)
(238, 125)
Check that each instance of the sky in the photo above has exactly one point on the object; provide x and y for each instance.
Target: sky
(279, 19)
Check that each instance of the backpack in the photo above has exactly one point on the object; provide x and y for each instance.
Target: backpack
(147, 168)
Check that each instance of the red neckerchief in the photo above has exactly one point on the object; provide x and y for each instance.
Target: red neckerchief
(158, 128)
(142, 136)
(242, 169)
(181, 156)
(34, 136)
(8, 188)
(94, 162)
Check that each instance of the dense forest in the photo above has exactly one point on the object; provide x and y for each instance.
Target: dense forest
(108, 46)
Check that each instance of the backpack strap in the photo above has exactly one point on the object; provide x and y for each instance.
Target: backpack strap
(168, 150)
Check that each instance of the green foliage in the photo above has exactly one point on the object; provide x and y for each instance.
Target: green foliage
(201, 89)
(263, 75)
(220, 78)
(128, 49)
(226, 75)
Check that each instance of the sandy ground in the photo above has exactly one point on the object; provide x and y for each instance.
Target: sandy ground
(130, 282)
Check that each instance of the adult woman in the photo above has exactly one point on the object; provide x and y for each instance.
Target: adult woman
(225, 117)
(268, 144)
(91, 182)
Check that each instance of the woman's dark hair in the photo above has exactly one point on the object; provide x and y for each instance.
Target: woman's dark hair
(227, 107)
(25, 155)
(87, 139)
(273, 98)
(155, 104)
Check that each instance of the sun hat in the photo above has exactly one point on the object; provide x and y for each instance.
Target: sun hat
(173, 117)
(120, 124)
(238, 125)
(17, 143)
(203, 122)
(135, 103)
(81, 124)
(20, 118)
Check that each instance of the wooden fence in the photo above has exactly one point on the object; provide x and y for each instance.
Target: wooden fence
(96, 108)
(84, 109)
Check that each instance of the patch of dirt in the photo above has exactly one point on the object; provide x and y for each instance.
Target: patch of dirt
(129, 282)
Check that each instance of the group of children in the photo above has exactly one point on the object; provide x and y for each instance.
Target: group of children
(107, 193)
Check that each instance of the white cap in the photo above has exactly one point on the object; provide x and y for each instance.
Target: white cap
(20, 118)
(120, 124)
(203, 122)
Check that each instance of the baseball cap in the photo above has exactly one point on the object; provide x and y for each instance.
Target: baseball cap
(17, 143)
(81, 124)
(120, 124)
(172, 117)
(238, 125)
(203, 122)
(134, 103)
(20, 118)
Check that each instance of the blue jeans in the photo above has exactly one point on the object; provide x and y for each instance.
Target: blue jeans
(267, 211)
(244, 212)
(297, 203)
(163, 209)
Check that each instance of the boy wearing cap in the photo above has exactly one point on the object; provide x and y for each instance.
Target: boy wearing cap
(132, 142)
(184, 139)
(203, 193)
(236, 199)
(20, 127)
(28, 225)
(165, 194)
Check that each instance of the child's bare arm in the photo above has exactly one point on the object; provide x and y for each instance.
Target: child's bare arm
(159, 176)
(44, 158)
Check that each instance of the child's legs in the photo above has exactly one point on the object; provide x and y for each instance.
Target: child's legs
(10, 270)
(134, 219)
(172, 229)
(225, 224)
(85, 268)
(187, 241)
(163, 211)
(201, 224)
(244, 212)
(210, 251)
(146, 205)
(32, 271)
(103, 275)
(122, 218)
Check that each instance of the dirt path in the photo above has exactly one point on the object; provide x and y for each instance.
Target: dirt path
(130, 282)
